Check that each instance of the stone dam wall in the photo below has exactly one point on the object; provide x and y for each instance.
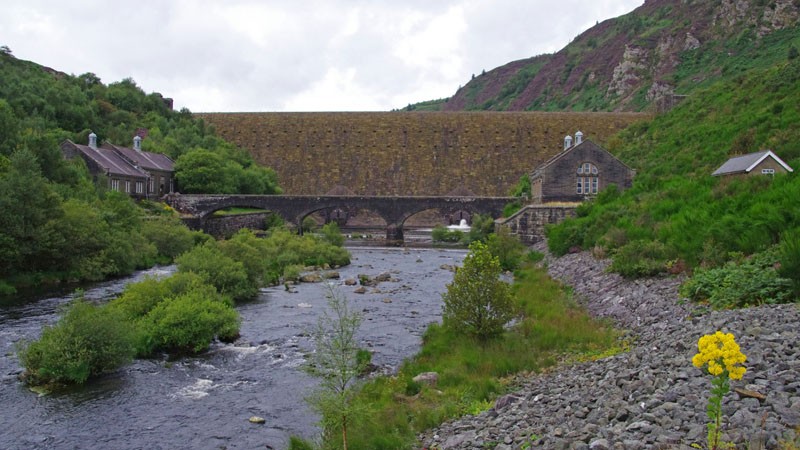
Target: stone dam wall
(408, 153)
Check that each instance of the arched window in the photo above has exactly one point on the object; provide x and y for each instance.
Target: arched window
(587, 179)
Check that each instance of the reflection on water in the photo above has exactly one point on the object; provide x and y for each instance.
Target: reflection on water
(205, 401)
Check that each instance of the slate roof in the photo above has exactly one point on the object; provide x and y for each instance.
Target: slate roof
(145, 160)
(110, 161)
(746, 163)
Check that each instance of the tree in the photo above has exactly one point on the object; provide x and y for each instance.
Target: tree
(477, 302)
(202, 172)
(336, 363)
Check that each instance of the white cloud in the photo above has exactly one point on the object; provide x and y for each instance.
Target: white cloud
(248, 55)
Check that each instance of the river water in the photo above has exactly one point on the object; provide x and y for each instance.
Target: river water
(205, 402)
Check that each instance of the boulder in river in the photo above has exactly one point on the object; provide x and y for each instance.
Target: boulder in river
(258, 420)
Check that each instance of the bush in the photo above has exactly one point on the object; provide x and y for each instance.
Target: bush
(506, 247)
(87, 341)
(790, 258)
(750, 282)
(561, 238)
(477, 302)
(171, 237)
(140, 298)
(187, 323)
(441, 233)
(641, 259)
(222, 272)
(482, 226)
(332, 234)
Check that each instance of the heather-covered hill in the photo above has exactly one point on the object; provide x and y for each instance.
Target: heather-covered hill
(640, 60)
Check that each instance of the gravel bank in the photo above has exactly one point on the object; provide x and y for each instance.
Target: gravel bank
(651, 396)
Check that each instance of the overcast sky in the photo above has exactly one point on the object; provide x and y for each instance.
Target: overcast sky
(294, 55)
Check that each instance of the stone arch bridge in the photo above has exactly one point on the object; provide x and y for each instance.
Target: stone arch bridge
(294, 208)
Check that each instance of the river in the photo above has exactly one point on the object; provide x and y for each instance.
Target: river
(204, 402)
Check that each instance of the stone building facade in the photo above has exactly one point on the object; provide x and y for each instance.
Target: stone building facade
(135, 172)
(578, 173)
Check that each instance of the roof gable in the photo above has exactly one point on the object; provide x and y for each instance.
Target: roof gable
(145, 160)
(110, 161)
(583, 145)
(746, 163)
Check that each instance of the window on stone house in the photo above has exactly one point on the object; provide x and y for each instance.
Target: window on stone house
(115, 184)
(127, 186)
(139, 187)
(768, 171)
(587, 180)
(151, 185)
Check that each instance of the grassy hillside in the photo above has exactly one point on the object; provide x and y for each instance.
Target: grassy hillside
(677, 216)
(637, 61)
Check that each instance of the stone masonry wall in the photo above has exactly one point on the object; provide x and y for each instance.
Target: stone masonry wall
(529, 222)
(408, 153)
(226, 226)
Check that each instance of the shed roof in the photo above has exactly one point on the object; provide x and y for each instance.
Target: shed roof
(746, 163)
(145, 160)
(113, 163)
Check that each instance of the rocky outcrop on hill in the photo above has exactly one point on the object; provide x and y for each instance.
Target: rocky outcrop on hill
(650, 396)
(619, 62)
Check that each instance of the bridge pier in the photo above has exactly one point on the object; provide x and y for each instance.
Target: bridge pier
(394, 235)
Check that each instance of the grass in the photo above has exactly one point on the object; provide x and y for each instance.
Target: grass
(470, 375)
(699, 219)
(236, 210)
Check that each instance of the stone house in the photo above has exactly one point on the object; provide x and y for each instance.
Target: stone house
(578, 173)
(138, 173)
(760, 163)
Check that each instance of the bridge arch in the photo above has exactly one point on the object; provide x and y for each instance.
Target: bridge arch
(394, 210)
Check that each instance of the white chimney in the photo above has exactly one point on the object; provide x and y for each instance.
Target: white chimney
(93, 141)
(567, 142)
(137, 143)
(578, 138)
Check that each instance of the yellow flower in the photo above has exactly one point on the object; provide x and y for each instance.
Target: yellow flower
(721, 353)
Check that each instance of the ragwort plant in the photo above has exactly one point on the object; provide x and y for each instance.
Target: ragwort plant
(721, 353)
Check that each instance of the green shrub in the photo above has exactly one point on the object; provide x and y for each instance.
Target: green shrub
(332, 234)
(292, 272)
(506, 247)
(790, 258)
(297, 443)
(441, 233)
(738, 284)
(222, 272)
(141, 297)
(480, 228)
(641, 259)
(477, 302)
(87, 341)
(308, 224)
(565, 236)
(170, 236)
(511, 208)
(187, 323)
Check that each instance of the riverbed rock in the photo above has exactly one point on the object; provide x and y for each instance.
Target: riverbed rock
(350, 282)
(429, 378)
(258, 420)
(331, 275)
(360, 290)
(311, 278)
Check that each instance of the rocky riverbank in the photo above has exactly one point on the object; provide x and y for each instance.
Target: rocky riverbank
(650, 396)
